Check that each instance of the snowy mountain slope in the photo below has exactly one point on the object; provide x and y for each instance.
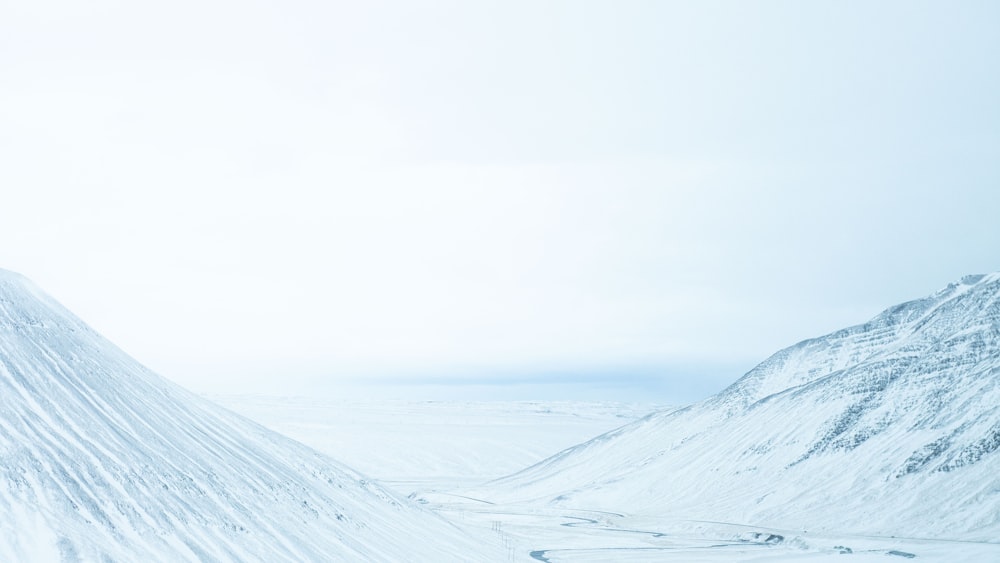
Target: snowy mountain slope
(100, 459)
(890, 427)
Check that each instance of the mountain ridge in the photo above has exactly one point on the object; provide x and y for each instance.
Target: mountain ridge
(102, 459)
(892, 425)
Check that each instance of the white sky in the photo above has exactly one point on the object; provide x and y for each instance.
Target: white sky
(246, 194)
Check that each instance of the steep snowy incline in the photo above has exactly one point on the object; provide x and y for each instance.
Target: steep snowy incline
(890, 427)
(101, 459)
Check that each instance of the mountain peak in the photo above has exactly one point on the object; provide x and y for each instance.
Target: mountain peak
(969, 302)
(5, 274)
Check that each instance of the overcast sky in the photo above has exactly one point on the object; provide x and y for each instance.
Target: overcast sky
(246, 194)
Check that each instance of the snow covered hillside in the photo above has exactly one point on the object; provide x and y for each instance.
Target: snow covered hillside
(100, 459)
(890, 427)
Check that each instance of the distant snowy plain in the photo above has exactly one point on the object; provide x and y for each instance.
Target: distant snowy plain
(413, 445)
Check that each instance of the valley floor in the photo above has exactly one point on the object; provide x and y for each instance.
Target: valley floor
(432, 450)
(554, 534)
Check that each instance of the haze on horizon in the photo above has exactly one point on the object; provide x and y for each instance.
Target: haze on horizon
(660, 194)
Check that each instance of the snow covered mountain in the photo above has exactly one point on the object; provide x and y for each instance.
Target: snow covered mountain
(101, 459)
(890, 427)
